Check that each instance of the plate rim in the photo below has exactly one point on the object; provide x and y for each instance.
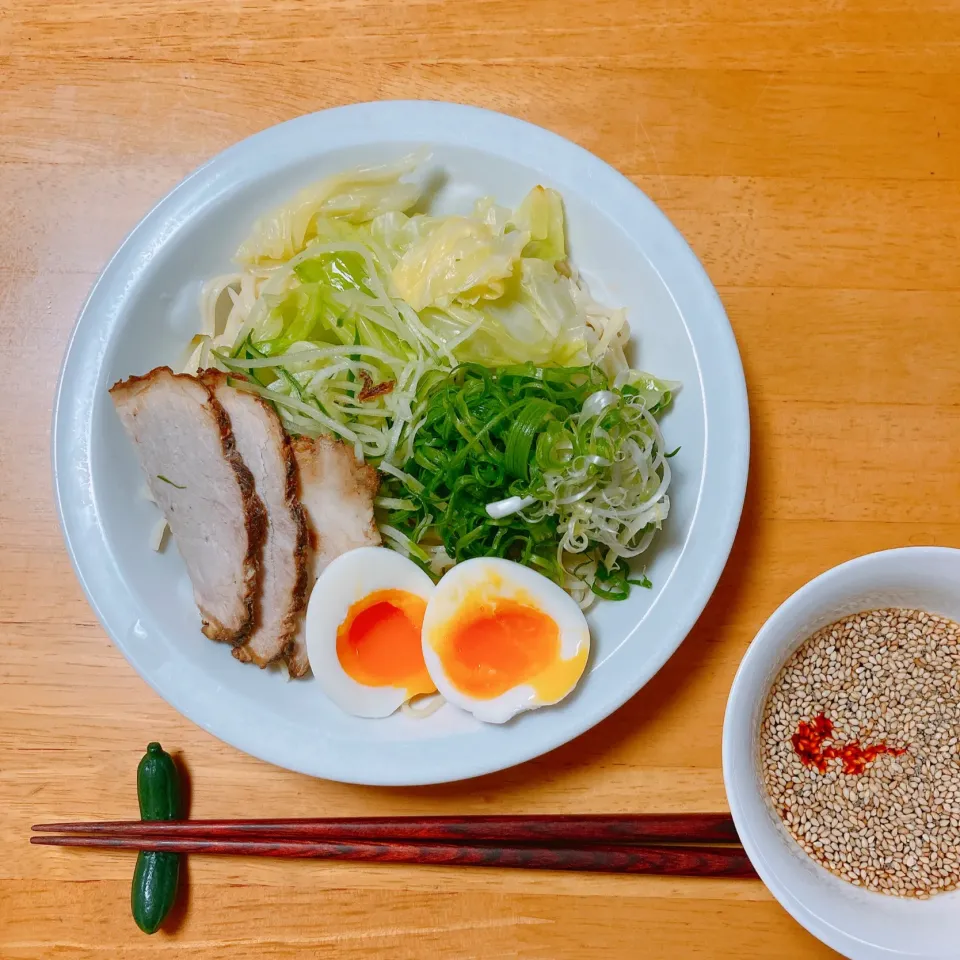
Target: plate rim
(732, 463)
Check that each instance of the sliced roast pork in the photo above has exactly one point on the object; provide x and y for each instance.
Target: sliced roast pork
(186, 448)
(266, 449)
(337, 494)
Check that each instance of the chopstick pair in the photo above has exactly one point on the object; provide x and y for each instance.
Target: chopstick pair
(600, 843)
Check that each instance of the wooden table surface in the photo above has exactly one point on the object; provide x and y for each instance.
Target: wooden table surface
(810, 152)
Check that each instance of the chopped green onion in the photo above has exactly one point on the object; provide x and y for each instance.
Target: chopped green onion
(160, 476)
(538, 465)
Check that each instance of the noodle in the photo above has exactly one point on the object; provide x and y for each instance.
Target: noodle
(412, 709)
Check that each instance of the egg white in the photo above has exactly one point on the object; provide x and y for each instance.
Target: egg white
(348, 579)
(506, 580)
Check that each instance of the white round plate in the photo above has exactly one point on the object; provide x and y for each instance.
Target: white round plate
(143, 310)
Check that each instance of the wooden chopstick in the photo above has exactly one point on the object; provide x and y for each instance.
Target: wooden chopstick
(668, 861)
(546, 830)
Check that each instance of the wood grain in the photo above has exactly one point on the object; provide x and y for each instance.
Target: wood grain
(810, 152)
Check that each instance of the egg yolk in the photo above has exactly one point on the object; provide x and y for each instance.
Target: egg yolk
(378, 644)
(492, 645)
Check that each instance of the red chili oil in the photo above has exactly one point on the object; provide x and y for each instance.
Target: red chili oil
(809, 744)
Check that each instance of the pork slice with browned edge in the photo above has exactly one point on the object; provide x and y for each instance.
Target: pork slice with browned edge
(337, 495)
(266, 450)
(186, 448)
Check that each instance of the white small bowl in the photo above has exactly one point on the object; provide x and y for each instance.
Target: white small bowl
(858, 923)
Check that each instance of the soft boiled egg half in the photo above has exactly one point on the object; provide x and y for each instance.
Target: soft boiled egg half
(363, 628)
(499, 638)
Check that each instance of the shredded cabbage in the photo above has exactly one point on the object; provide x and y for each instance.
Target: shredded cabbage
(356, 196)
(459, 259)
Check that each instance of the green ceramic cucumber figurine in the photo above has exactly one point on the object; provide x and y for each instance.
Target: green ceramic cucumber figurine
(156, 874)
